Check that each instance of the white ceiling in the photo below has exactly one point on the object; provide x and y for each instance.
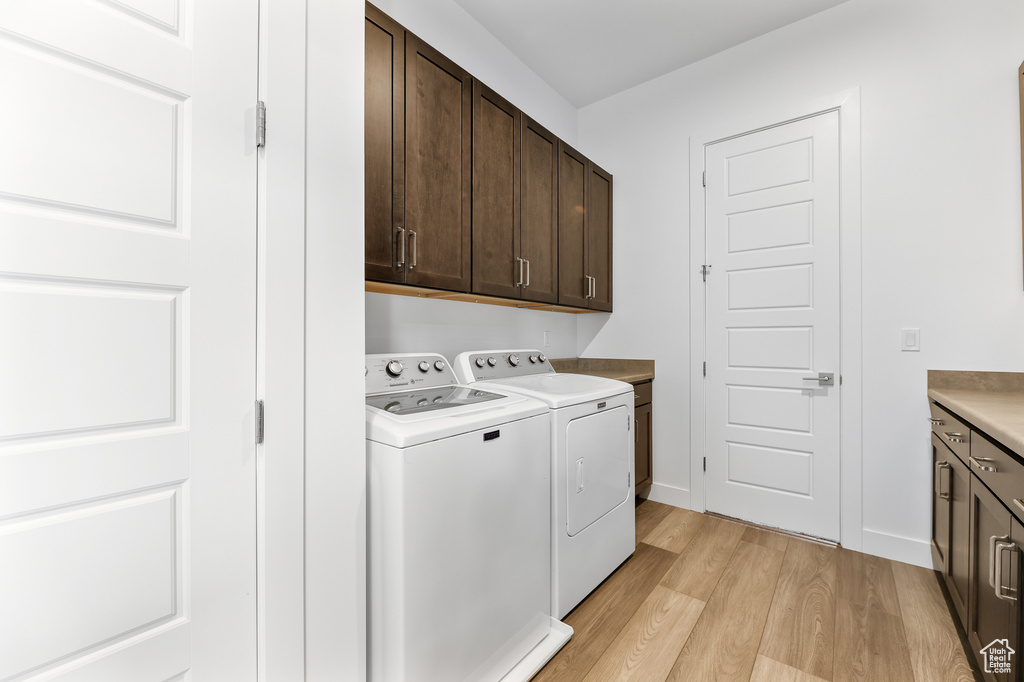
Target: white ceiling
(590, 49)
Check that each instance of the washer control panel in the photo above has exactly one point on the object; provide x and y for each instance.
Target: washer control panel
(500, 364)
(403, 371)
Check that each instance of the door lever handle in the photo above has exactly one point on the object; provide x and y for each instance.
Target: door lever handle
(823, 379)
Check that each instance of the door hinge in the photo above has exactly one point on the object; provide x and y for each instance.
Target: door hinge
(705, 368)
(259, 422)
(705, 270)
(704, 179)
(261, 124)
(705, 464)
(629, 423)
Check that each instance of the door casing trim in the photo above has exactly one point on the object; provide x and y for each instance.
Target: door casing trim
(847, 103)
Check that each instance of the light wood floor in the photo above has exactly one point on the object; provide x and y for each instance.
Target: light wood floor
(707, 599)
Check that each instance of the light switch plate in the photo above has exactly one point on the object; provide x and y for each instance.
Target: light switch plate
(910, 340)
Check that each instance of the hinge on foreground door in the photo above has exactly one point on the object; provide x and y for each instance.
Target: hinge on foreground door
(261, 124)
(705, 368)
(705, 270)
(705, 464)
(259, 422)
(704, 179)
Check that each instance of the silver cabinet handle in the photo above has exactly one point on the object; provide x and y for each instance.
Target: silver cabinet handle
(956, 437)
(587, 277)
(527, 273)
(997, 559)
(942, 466)
(412, 235)
(1019, 503)
(992, 558)
(401, 244)
(936, 422)
(520, 262)
(823, 379)
(977, 461)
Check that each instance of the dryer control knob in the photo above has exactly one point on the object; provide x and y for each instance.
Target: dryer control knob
(533, 358)
(492, 362)
(542, 357)
(394, 368)
(439, 365)
(480, 362)
(513, 360)
(424, 366)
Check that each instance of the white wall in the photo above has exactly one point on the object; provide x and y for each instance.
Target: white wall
(941, 217)
(404, 324)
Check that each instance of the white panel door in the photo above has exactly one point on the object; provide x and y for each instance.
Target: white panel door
(772, 235)
(127, 340)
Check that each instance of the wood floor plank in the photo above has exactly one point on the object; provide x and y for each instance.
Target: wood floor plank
(801, 623)
(870, 645)
(935, 649)
(769, 670)
(647, 647)
(723, 645)
(757, 536)
(648, 515)
(676, 530)
(600, 617)
(867, 580)
(701, 564)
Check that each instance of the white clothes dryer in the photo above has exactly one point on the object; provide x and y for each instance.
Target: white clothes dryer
(458, 527)
(592, 507)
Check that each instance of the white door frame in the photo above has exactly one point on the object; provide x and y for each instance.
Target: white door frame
(848, 105)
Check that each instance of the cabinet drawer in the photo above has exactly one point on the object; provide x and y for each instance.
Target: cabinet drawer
(953, 432)
(642, 393)
(1000, 471)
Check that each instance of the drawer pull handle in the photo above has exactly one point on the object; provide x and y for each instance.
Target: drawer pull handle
(936, 422)
(954, 437)
(1019, 503)
(977, 461)
(997, 559)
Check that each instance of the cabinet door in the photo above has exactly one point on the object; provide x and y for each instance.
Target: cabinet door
(539, 192)
(989, 617)
(958, 570)
(496, 157)
(384, 147)
(642, 455)
(438, 163)
(599, 237)
(573, 286)
(941, 502)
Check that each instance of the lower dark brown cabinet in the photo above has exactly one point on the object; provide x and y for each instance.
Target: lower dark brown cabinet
(643, 428)
(951, 522)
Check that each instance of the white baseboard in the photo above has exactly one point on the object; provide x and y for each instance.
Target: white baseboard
(666, 494)
(907, 550)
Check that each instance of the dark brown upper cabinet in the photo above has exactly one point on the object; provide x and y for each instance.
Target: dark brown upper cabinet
(438, 162)
(417, 160)
(498, 268)
(515, 205)
(384, 158)
(584, 232)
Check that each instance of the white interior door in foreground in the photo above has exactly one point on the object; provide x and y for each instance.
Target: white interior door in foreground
(772, 235)
(127, 341)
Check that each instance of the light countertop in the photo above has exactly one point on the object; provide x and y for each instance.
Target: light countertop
(991, 401)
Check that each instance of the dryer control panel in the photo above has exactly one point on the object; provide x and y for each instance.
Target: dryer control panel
(404, 371)
(484, 365)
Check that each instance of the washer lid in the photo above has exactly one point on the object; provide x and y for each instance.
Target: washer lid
(561, 390)
(422, 424)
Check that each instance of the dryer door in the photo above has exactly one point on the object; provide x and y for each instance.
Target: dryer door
(598, 452)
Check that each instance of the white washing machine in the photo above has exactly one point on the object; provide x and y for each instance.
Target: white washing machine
(458, 527)
(593, 527)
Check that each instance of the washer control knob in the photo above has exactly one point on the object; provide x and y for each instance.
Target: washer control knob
(424, 366)
(422, 401)
(533, 358)
(513, 360)
(492, 362)
(394, 368)
(439, 365)
(542, 357)
(480, 362)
